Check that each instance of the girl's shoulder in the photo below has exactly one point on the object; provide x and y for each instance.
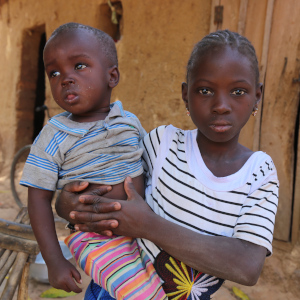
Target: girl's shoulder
(165, 132)
(261, 170)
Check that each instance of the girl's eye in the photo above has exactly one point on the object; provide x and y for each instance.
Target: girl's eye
(205, 91)
(238, 92)
(80, 66)
(54, 74)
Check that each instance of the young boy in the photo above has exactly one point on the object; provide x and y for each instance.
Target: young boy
(94, 141)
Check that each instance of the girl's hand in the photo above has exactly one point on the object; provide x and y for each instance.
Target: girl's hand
(121, 217)
(62, 274)
(68, 199)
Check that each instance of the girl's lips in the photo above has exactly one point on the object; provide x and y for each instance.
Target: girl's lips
(220, 127)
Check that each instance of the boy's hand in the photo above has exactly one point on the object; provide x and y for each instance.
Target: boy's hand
(62, 275)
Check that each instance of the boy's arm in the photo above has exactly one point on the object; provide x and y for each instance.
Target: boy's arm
(61, 272)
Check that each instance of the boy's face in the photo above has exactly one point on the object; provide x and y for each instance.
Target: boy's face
(80, 76)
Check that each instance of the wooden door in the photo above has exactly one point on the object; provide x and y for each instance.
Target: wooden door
(281, 106)
(273, 27)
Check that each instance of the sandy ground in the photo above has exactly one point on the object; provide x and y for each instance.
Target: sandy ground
(280, 278)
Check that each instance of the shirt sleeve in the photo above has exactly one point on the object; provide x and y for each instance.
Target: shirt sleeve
(257, 216)
(42, 166)
(150, 144)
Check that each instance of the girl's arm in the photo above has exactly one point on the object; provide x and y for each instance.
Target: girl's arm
(224, 257)
(60, 271)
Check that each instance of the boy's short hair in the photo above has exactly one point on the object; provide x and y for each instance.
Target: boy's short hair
(106, 43)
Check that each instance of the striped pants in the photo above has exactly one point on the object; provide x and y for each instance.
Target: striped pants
(117, 264)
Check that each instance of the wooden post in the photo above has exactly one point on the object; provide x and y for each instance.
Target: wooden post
(242, 17)
(263, 63)
(23, 287)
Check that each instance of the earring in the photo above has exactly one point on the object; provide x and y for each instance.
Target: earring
(254, 112)
(188, 113)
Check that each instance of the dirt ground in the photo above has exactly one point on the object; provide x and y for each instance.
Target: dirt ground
(280, 278)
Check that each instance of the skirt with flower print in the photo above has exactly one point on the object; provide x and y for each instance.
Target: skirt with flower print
(181, 282)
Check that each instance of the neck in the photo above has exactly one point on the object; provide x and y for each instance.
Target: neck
(98, 115)
(218, 150)
(223, 159)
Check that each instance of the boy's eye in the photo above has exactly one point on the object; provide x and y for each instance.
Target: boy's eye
(205, 91)
(80, 66)
(54, 74)
(238, 92)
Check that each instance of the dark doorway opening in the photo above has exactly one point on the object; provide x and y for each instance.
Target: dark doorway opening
(39, 113)
(31, 87)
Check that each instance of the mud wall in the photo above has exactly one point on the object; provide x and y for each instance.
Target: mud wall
(156, 40)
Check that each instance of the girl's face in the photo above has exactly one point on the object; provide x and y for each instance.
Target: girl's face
(221, 94)
(80, 76)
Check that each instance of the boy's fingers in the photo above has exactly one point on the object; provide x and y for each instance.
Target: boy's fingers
(76, 276)
(76, 186)
(73, 286)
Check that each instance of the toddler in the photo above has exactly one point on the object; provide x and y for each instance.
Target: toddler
(93, 141)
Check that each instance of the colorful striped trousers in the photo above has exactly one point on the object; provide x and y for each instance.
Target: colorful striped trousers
(117, 264)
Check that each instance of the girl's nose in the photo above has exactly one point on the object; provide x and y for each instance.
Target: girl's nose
(221, 105)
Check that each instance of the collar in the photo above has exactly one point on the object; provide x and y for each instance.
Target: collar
(63, 123)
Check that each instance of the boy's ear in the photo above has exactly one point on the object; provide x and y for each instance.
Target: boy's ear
(114, 76)
(259, 91)
(184, 93)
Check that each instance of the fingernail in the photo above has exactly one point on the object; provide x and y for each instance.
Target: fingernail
(81, 199)
(72, 215)
(80, 281)
(82, 183)
(117, 206)
(76, 227)
(114, 224)
(128, 179)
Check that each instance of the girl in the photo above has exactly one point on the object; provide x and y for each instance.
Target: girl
(214, 200)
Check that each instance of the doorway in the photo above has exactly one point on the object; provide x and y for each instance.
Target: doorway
(31, 87)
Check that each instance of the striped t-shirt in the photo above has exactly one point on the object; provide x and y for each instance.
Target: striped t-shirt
(101, 152)
(181, 189)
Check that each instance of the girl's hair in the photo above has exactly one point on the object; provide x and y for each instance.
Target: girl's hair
(221, 39)
(106, 43)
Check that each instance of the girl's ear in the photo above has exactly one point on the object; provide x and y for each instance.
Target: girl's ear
(114, 76)
(184, 93)
(259, 91)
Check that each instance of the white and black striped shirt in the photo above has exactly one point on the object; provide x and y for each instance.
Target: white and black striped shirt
(181, 189)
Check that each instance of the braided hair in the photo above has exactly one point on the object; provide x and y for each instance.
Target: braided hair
(106, 43)
(221, 39)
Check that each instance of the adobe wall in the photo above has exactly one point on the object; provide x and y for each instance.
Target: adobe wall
(157, 37)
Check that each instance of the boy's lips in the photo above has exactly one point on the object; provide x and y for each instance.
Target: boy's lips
(220, 126)
(71, 97)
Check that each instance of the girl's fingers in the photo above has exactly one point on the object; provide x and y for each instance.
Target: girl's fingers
(130, 189)
(99, 204)
(76, 186)
(101, 227)
(102, 190)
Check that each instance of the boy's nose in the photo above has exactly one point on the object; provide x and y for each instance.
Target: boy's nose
(67, 81)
